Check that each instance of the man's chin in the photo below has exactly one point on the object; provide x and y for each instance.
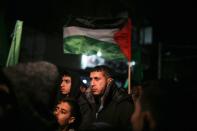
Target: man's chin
(64, 93)
(95, 93)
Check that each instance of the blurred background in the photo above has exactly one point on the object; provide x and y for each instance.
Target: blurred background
(163, 35)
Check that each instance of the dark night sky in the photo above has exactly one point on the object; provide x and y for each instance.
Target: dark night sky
(172, 21)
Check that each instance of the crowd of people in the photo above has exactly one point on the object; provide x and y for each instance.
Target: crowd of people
(36, 96)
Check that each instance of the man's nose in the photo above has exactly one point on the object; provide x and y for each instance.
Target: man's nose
(91, 83)
(56, 112)
(62, 84)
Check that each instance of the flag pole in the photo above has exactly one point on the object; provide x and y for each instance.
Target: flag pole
(129, 78)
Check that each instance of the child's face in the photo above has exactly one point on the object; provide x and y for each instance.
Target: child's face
(63, 114)
(65, 85)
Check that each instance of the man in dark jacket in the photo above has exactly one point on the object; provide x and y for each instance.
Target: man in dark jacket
(104, 102)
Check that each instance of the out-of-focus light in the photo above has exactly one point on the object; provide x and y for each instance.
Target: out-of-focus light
(133, 63)
(99, 53)
(85, 81)
(91, 61)
(84, 61)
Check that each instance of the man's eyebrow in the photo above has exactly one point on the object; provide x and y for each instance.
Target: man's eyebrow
(66, 80)
(94, 77)
(64, 110)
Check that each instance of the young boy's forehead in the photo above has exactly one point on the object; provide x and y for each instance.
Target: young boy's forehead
(66, 76)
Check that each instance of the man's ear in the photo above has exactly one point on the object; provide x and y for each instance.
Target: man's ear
(109, 80)
(71, 120)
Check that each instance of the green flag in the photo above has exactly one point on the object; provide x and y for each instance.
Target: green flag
(13, 56)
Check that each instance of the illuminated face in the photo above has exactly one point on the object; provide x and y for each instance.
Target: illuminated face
(98, 82)
(65, 85)
(63, 114)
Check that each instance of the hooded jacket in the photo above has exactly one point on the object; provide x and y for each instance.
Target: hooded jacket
(114, 107)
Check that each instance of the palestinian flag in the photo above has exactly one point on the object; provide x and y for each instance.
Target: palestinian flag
(110, 37)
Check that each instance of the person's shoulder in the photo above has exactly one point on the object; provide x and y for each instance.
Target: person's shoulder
(82, 99)
(120, 95)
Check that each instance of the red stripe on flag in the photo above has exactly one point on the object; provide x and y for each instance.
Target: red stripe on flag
(123, 38)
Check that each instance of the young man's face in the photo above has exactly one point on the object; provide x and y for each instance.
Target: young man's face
(63, 114)
(65, 85)
(98, 82)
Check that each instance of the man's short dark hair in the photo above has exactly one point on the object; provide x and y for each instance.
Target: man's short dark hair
(108, 71)
(66, 73)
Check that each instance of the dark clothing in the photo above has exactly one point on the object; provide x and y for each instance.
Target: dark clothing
(32, 89)
(116, 110)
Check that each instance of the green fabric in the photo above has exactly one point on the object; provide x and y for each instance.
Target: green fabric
(137, 68)
(137, 73)
(13, 56)
(90, 46)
